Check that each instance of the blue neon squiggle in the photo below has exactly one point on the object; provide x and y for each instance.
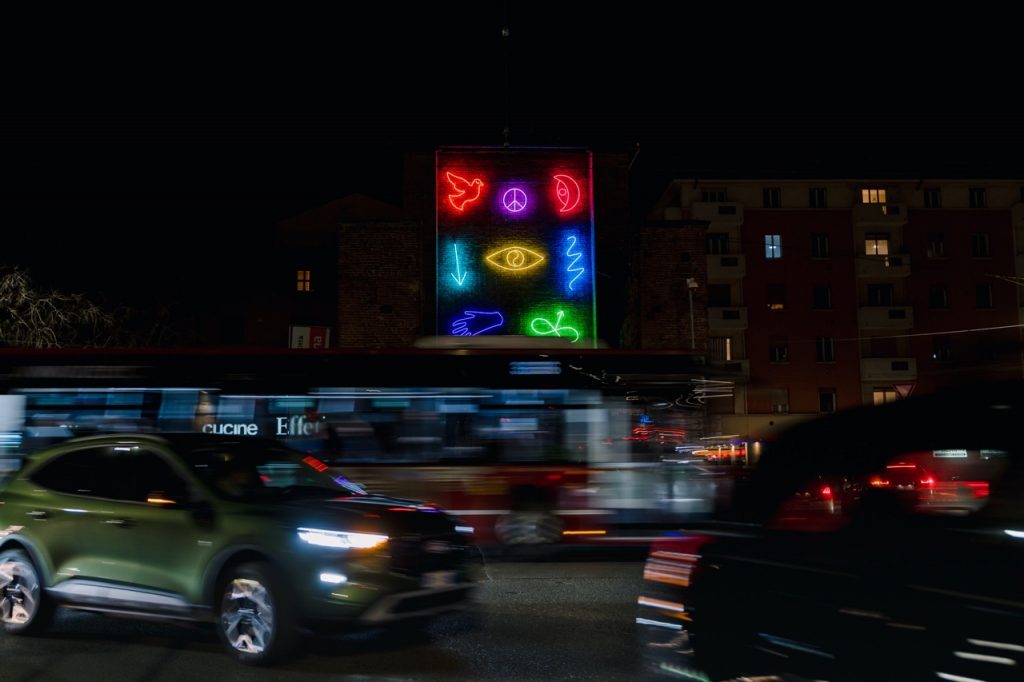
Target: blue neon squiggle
(572, 267)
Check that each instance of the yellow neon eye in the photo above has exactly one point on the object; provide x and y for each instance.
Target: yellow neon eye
(515, 258)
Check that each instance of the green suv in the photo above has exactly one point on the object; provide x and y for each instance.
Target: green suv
(244, 532)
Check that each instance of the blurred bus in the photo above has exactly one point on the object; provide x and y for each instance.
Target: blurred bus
(529, 445)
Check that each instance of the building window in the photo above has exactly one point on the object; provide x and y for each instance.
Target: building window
(712, 195)
(817, 198)
(772, 197)
(772, 246)
(776, 296)
(872, 196)
(719, 296)
(823, 297)
(936, 245)
(825, 349)
(778, 351)
(932, 198)
(941, 349)
(983, 295)
(826, 400)
(877, 244)
(819, 245)
(976, 197)
(717, 242)
(883, 395)
(880, 294)
(302, 280)
(979, 245)
(720, 348)
(938, 297)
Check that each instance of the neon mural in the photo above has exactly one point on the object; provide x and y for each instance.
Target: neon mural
(574, 268)
(463, 191)
(567, 190)
(542, 326)
(460, 277)
(515, 258)
(476, 322)
(515, 243)
(514, 200)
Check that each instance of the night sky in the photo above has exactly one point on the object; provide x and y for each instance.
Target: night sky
(95, 202)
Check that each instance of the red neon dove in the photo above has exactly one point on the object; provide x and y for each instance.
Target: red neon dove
(464, 191)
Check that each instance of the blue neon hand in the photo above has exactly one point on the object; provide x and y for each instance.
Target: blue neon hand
(476, 322)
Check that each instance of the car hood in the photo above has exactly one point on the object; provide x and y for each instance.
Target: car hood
(374, 513)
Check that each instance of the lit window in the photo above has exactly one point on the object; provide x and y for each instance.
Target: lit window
(877, 245)
(872, 196)
(302, 280)
(720, 348)
(880, 396)
(773, 246)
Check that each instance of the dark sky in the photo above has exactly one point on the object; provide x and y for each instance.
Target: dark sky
(85, 197)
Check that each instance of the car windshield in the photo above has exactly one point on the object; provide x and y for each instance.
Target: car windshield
(254, 470)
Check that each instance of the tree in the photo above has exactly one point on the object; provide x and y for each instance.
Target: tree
(36, 319)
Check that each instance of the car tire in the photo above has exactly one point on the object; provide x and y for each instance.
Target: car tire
(25, 608)
(256, 615)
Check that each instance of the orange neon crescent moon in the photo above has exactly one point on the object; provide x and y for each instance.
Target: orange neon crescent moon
(568, 192)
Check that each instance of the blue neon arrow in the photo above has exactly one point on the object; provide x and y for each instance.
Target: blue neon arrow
(458, 268)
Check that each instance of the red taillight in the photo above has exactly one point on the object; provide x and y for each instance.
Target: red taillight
(928, 482)
(878, 482)
(673, 558)
(978, 488)
(826, 491)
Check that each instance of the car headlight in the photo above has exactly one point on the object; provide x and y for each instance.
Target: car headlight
(341, 539)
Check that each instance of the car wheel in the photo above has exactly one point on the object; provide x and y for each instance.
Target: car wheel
(256, 617)
(24, 607)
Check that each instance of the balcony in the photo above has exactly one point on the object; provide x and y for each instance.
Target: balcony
(740, 367)
(879, 215)
(718, 213)
(726, 265)
(727, 319)
(883, 267)
(888, 369)
(889, 318)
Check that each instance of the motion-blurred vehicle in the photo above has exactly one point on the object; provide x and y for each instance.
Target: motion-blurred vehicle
(259, 539)
(882, 543)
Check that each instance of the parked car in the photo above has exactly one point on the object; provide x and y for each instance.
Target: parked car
(882, 543)
(243, 532)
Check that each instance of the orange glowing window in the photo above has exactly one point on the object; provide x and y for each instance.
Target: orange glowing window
(302, 280)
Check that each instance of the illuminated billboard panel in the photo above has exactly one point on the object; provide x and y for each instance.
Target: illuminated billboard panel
(515, 243)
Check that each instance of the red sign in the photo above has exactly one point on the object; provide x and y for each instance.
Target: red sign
(903, 390)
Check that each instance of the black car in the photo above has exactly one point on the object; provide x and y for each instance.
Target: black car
(259, 539)
(882, 543)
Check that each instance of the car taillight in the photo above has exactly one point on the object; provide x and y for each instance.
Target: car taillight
(978, 488)
(928, 482)
(826, 492)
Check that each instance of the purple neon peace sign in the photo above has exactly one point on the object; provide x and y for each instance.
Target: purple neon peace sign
(514, 200)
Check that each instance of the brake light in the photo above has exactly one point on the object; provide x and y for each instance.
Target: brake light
(878, 481)
(673, 558)
(826, 491)
(928, 482)
(978, 488)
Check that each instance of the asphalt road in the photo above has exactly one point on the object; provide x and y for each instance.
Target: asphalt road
(535, 621)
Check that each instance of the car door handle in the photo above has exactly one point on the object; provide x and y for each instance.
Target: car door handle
(120, 523)
(38, 514)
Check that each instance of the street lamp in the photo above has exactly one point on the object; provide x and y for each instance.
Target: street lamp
(691, 284)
